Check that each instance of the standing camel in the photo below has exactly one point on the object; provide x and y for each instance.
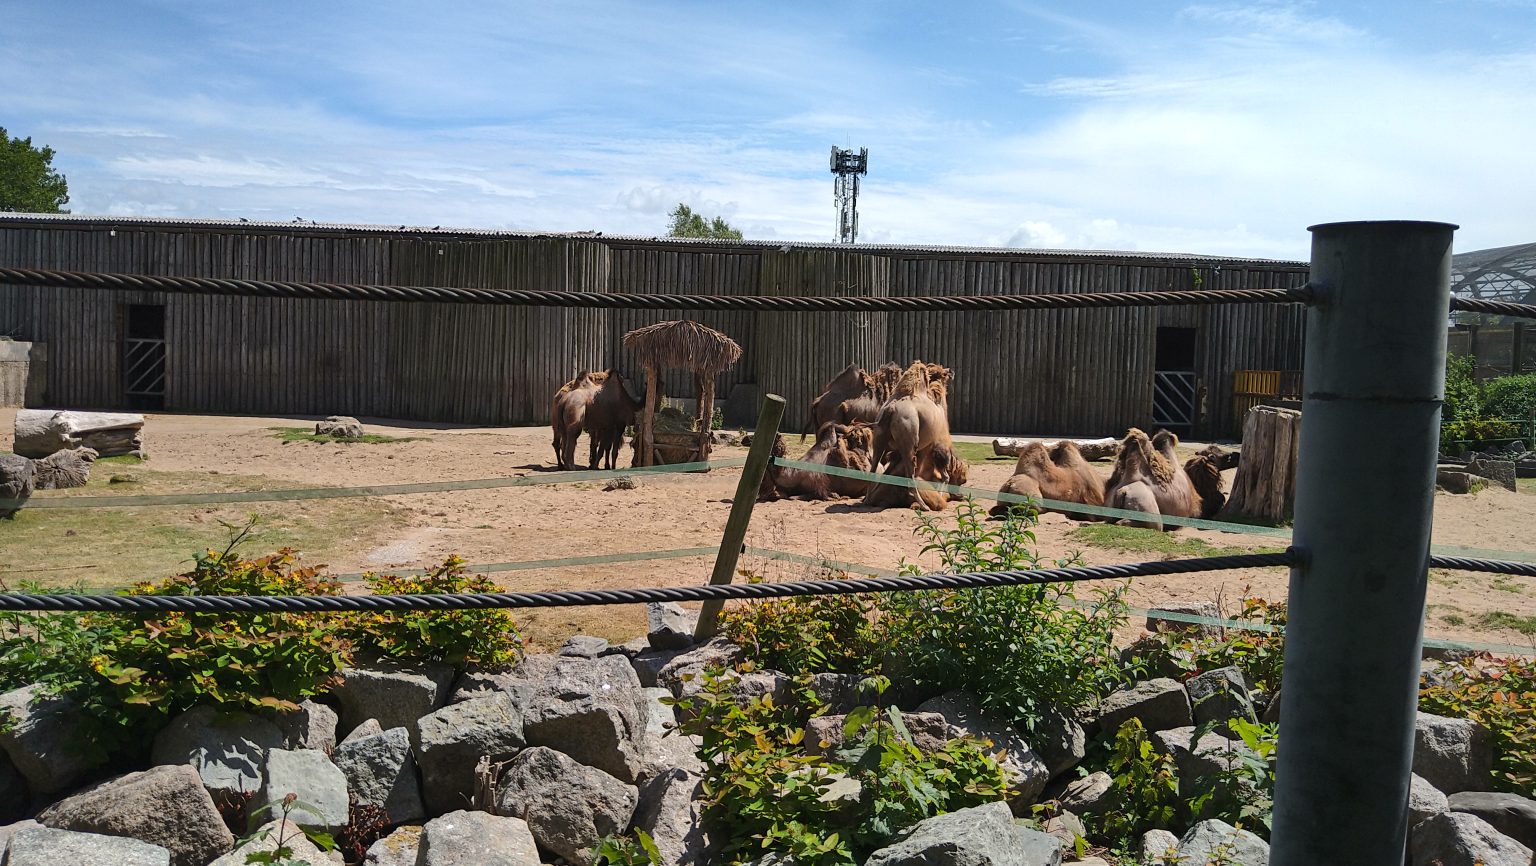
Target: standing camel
(611, 411)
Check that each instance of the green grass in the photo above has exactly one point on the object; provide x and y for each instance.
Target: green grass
(980, 452)
(1525, 485)
(305, 434)
(1505, 584)
(1500, 619)
(113, 547)
(122, 460)
(1134, 539)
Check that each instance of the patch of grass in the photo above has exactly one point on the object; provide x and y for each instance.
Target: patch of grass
(1455, 620)
(113, 547)
(1134, 539)
(1525, 485)
(1500, 619)
(305, 434)
(1444, 578)
(122, 460)
(1505, 584)
(981, 452)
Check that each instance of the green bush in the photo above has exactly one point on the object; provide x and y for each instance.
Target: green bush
(1144, 794)
(1463, 397)
(1501, 694)
(808, 633)
(1259, 654)
(1510, 397)
(464, 638)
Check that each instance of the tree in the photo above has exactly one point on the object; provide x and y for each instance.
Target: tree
(687, 224)
(28, 181)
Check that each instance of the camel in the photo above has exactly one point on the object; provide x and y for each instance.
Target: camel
(939, 465)
(612, 410)
(1060, 473)
(1204, 471)
(917, 416)
(1148, 478)
(840, 446)
(568, 412)
(852, 396)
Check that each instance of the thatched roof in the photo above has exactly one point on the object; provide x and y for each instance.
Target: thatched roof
(684, 344)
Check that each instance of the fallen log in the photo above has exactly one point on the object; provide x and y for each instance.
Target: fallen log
(41, 432)
(1091, 449)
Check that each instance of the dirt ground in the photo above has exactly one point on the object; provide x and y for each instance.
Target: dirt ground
(114, 546)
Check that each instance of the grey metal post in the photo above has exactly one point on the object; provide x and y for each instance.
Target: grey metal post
(1374, 380)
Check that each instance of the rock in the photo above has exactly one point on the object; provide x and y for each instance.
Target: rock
(1424, 800)
(930, 732)
(450, 742)
(14, 795)
(400, 848)
(1454, 755)
(44, 742)
(370, 728)
(1500, 472)
(312, 726)
(621, 482)
(1160, 704)
(319, 785)
(18, 478)
(1510, 814)
(592, 710)
(670, 751)
(477, 839)
(228, 749)
(1091, 861)
(1197, 762)
(530, 670)
(978, 836)
(669, 626)
(843, 794)
(1027, 774)
(717, 653)
(9, 830)
(584, 646)
(1206, 609)
(63, 470)
(1462, 839)
(395, 695)
(1454, 481)
(40, 846)
(265, 840)
(381, 771)
(1220, 695)
(840, 693)
(648, 665)
(761, 684)
(569, 807)
(1272, 710)
(1061, 741)
(1089, 795)
(1067, 828)
(1159, 848)
(339, 426)
(669, 811)
(1240, 847)
(164, 806)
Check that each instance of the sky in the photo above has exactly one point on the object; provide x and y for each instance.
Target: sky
(1214, 128)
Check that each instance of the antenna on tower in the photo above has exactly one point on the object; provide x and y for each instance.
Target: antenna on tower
(848, 165)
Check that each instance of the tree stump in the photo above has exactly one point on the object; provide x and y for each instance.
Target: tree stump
(1265, 487)
(63, 470)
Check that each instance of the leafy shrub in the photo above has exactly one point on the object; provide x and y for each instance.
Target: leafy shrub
(1501, 694)
(1144, 794)
(1463, 396)
(808, 633)
(1242, 791)
(1476, 430)
(464, 638)
(1510, 397)
(54, 649)
(1260, 655)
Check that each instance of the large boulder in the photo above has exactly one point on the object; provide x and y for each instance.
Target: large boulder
(1510, 814)
(164, 806)
(978, 836)
(1090, 795)
(370, 728)
(649, 663)
(228, 749)
(1424, 800)
(1061, 740)
(400, 848)
(669, 626)
(570, 807)
(9, 830)
(1159, 704)
(930, 732)
(312, 726)
(1461, 839)
(583, 646)
(1198, 764)
(41, 846)
(529, 671)
(1454, 755)
(477, 839)
(1026, 773)
(1159, 848)
(319, 785)
(14, 796)
(1220, 695)
(840, 693)
(592, 710)
(669, 810)
(450, 742)
(265, 841)
(395, 695)
(685, 667)
(1158, 618)
(44, 739)
(339, 427)
(381, 771)
(663, 747)
(1205, 840)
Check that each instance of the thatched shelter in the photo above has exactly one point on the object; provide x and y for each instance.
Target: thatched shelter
(690, 346)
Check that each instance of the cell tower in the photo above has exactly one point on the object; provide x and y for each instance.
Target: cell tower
(848, 165)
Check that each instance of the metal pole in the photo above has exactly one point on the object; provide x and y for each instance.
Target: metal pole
(1374, 377)
(741, 508)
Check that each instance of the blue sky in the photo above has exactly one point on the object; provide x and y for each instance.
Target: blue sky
(1156, 126)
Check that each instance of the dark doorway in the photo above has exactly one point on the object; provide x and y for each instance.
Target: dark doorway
(1174, 394)
(144, 356)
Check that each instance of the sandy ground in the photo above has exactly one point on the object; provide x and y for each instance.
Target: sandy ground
(676, 511)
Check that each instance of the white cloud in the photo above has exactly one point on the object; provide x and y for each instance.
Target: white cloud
(1037, 233)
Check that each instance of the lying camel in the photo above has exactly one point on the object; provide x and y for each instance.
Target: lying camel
(853, 396)
(1148, 478)
(939, 465)
(839, 446)
(1204, 471)
(1059, 473)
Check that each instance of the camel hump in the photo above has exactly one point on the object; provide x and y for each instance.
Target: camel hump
(1066, 453)
(1032, 455)
(913, 382)
(1163, 440)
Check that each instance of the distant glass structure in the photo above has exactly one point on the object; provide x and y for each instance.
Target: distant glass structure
(1501, 274)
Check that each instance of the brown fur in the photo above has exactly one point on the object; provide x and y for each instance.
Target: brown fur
(1148, 478)
(567, 413)
(1204, 473)
(836, 445)
(1060, 473)
(849, 385)
(939, 465)
(913, 423)
(612, 409)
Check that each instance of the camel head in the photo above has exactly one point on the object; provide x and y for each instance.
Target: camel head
(1165, 442)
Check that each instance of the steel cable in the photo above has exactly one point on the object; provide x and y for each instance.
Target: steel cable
(1497, 308)
(619, 300)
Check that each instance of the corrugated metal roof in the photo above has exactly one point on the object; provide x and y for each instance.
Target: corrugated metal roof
(301, 226)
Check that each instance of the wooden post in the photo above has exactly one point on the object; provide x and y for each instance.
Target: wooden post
(1265, 486)
(706, 407)
(768, 418)
(645, 437)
